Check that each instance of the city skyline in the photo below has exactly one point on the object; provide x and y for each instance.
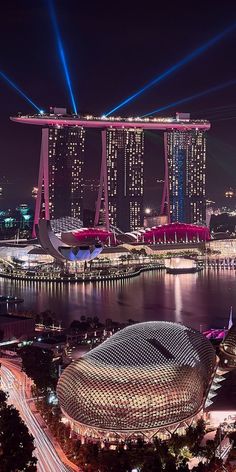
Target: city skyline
(117, 236)
(202, 74)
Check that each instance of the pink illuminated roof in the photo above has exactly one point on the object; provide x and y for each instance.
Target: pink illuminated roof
(179, 230)
(215, 333)
(92, 233)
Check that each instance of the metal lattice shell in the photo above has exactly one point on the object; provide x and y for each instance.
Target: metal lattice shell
(228, 350)
(146, 376)
(229, 344)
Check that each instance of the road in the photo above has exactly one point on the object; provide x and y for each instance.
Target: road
(15, 383)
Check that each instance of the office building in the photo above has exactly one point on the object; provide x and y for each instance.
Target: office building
(125, 164)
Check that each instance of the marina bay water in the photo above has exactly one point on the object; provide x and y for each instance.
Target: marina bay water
(201, 299)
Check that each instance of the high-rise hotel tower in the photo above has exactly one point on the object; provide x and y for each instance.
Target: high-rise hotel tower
(120, 193)
(65, 163)
(186, 154)
(125, 181)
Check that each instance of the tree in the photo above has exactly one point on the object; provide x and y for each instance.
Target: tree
(183, 467)
(171, 464)
(200, 429)
(38, 364)
(115, 461)
(152, 463)
(210, 449)
(16, 444)
(200, 467)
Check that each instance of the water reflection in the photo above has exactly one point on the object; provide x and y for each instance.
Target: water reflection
(178, 299)
(193, 299)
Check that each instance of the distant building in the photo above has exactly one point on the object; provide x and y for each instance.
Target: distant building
(223, 223)
(88, 217)
(186, 151)
(16, 327)
(16, 222)
(125, 164)
(66, 161)
(154, 220)
(229, 193)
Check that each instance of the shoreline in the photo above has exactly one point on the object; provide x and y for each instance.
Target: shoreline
(85, 278)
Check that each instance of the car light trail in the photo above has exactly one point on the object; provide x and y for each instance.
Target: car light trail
(178, 65)
(62, 54)
(20, 92)
(13, 382)
(191, 97)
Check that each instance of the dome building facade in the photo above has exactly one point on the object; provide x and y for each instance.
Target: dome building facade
(227, 352)
(147, 379)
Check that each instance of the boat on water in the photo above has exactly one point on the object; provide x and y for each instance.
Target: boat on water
(9, 299)
(181, 265)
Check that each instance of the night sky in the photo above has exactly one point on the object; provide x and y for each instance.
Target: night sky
(113, 49)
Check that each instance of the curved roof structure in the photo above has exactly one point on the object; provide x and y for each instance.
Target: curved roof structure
(94, 234)
(176, 232)
(103, 122)
(145, 377)
(62, 251)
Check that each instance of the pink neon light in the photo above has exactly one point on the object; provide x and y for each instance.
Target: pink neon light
(103, 186)
(43, 182)
(94, 233)
(110, 123)
(176, 232)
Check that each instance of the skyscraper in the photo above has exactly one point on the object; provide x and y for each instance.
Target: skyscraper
(125, 153)
(65, 162)
(120, 191)
(186, 154)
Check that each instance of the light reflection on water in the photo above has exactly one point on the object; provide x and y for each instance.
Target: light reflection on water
(193, 299)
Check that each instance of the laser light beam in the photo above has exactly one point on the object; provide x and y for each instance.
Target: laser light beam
(62, 54)
(23, 94)
(192, 97)
(178, 65)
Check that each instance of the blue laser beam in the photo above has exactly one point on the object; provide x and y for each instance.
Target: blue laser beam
(62, 54)
(192, 97)
(192, 55)
(23, 94)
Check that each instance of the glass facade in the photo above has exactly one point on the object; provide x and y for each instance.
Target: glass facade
(66, 162)
(125, 180)
(146, 377)
(186, 151)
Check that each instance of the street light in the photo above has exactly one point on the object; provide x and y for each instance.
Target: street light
(147, 211)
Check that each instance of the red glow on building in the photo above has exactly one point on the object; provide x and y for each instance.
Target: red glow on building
(95, 234)
(176, 233)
